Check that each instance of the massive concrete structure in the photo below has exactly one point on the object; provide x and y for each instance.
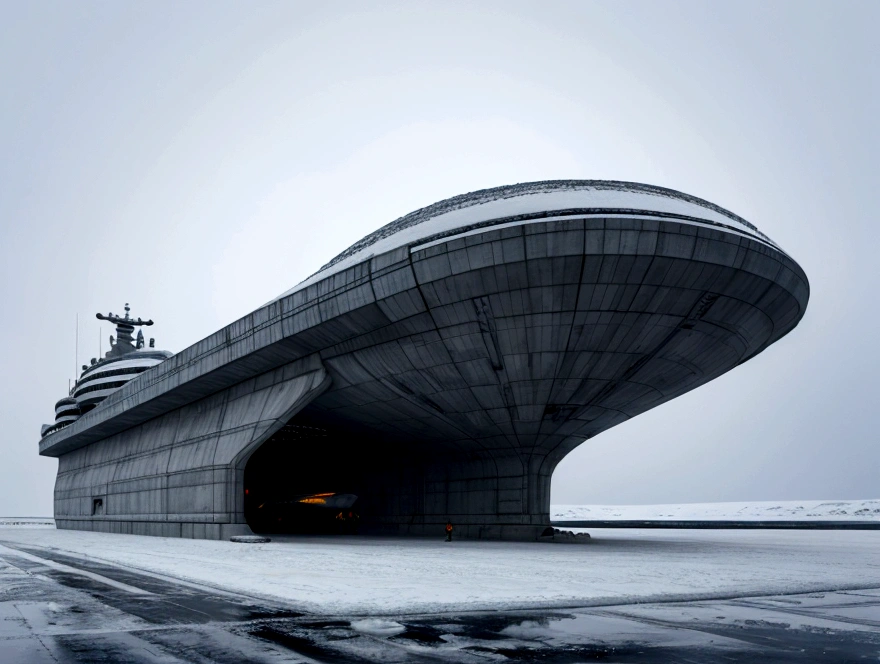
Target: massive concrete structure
(439, 369)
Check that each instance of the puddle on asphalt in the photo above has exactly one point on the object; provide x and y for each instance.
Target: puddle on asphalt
(735, 630)
(324, 624)
(303, 645)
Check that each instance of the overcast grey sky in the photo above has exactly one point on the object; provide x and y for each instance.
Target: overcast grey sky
(197, 159)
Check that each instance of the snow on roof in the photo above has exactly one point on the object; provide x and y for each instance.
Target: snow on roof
(531, 198)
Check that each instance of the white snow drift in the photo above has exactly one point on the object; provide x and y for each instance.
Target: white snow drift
(791, 510)
(375, 576)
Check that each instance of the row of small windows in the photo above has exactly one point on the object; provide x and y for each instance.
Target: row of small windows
(102, 386)
(56, 426)
(115, 372)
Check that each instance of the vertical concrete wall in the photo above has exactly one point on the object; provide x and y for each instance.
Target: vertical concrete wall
(492, 497)
(180, 474)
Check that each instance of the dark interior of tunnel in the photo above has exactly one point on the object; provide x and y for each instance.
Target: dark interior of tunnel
(310, 479)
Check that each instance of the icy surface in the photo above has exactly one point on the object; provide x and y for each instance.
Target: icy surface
(375, 576)
(793, 510)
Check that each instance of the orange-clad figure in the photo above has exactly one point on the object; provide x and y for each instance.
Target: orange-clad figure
(449, 531)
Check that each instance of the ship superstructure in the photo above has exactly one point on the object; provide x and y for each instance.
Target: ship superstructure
(127, 358)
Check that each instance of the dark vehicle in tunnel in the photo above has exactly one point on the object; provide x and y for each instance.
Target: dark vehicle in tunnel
(325, 513)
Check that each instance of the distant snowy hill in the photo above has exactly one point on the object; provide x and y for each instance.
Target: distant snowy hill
(26, 522)
(791, 510)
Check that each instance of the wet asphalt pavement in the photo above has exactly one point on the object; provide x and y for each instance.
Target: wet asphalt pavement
(57, 608)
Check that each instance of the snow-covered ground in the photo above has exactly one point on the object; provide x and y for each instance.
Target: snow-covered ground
(792, 510)
(369, 576)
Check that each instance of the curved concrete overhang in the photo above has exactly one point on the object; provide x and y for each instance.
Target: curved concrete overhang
(352, 299)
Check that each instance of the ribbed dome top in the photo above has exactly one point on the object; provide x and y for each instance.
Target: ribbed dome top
(533, 200)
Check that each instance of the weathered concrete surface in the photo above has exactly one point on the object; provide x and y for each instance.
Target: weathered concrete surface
(461, 369)
(180, 474)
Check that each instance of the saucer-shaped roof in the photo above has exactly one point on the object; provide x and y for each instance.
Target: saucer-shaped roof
(534, 200)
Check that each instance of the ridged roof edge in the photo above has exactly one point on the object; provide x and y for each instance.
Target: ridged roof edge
(523, 189)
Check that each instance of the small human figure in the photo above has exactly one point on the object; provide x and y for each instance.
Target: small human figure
(449, 531)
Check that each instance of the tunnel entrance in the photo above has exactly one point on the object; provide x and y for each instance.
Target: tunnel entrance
(322, 474)
(308, 479)
(298, 481)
